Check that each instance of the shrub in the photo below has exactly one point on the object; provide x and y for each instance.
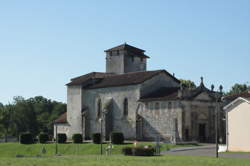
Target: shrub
(26, 138)
(77, 138)
(139, 151)
(43, 138)
(127, 151)
(96, 137)
(117, 138)
(61, 138)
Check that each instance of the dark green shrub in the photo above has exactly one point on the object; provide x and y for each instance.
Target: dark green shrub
(77, 138)
(26, 138)
(127, 151)
(117, 138)
(43, 138)
(139, 151)
(62, 138)
(96, 137)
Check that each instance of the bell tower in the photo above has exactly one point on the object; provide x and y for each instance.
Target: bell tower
(124, 59)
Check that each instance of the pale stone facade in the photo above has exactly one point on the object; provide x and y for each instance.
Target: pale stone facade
(126, 98)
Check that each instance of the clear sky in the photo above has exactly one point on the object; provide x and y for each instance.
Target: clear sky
(45, 43)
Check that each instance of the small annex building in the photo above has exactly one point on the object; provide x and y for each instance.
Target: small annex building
(238, 122)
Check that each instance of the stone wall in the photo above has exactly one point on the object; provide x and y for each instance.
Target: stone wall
(74, 107)
(161, 119)
(117, 95)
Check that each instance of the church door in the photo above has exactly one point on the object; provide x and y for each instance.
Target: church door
(202, 132)
(139, 127)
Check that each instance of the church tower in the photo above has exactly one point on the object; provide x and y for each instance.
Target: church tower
(124, 59)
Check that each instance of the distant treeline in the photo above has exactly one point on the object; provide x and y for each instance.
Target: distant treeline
(32, 115)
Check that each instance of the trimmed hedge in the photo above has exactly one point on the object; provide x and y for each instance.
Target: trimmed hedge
(138, 151)
(117, 138)
(96, 137)
(77, 138)
(62, 138)
(26, 138)
(43, 138)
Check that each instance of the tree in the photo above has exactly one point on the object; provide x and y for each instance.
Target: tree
(6, 115)
(188, 84)
(238, 88)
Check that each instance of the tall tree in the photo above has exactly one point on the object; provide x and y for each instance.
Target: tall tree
(238, 88)
(188, 83)
(6, 115)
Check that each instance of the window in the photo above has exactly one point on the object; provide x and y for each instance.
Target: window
(157, 106)
(125, 107)
(141, 59)
(133, 59)
(117, 52)
(110, 53)
(169, 105)
(99, 108)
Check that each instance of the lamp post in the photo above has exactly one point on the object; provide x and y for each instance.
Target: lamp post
(56, 141)
(216, 121)
(101, 123)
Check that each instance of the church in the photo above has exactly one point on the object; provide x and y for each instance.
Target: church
(141, 104)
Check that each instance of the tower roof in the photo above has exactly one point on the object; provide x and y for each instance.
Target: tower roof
(134, 50)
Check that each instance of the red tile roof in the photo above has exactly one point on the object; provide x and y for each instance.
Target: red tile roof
(164, 93)
(245, 94)
(62, 118)
(103, 80)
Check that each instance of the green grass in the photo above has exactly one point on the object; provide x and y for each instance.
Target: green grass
(13, 149)
(119, 160)
(88, 155)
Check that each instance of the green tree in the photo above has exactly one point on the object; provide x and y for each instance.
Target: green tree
(238, 88)
(188, 83)
(6, 115)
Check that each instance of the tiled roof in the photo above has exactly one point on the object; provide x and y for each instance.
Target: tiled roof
(88, 78)
(245, 94)
(103, 80)
(133, 51)
(164, 93)
(171, 93)
(125, 46)
(62, 118)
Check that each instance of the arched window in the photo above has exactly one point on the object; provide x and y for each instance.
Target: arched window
(99, 108)
(125, 107)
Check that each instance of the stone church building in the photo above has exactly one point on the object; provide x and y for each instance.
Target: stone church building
(139, 103)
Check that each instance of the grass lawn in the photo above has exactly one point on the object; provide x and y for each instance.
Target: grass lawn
(88, 155)
(13, 149)
(119, 160)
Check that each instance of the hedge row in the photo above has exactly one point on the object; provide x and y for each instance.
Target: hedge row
(138, 151)
(27, 138)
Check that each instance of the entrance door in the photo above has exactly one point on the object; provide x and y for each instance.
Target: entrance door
(139, 127)
(202, 132)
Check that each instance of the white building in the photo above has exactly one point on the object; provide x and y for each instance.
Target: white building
(238, 123)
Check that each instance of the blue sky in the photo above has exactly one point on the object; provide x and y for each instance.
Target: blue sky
(45, 43)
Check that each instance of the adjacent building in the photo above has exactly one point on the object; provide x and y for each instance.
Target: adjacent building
(237, 122)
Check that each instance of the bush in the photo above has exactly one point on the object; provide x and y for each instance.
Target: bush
(139, 151)
(43, 138)
(96, 137)
(117, 138)
(77, 138)
(61, 138)
(127, 151)
(26, 138)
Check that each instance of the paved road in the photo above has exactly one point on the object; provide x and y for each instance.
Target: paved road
(208, 150)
